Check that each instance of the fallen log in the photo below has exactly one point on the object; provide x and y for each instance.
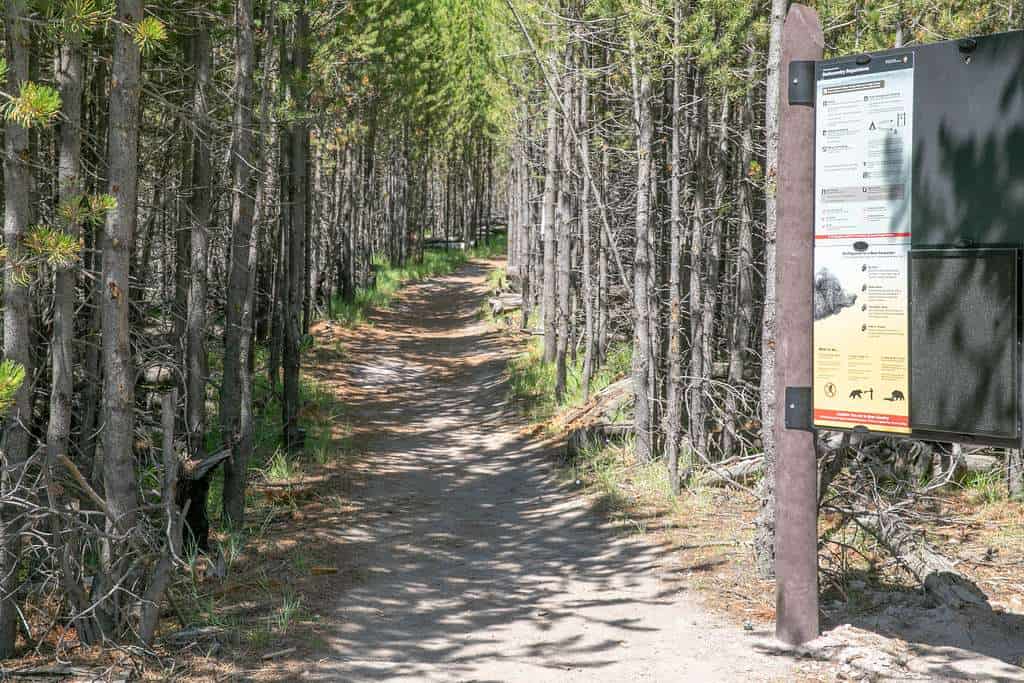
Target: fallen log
(585, 437)
(976, 462)
(936, 572)
(728, 472)
(195, 470)
(504, 303)
(605, 406)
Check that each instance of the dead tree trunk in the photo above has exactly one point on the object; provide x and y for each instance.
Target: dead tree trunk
(563, 231)
(17, 325)
(936, 572)
(236, 399)
(548, 286)
(642, 266)
(201, 207)
(764, 540)
(119, 474)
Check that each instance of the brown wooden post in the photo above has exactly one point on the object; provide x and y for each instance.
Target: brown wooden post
(796, 540)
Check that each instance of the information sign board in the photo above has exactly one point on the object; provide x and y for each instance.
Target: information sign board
(862, 231)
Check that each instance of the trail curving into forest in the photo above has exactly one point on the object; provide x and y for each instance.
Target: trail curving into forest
(473, 562)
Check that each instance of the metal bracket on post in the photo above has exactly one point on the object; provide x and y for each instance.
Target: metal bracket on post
(799, 411)
(801, 83)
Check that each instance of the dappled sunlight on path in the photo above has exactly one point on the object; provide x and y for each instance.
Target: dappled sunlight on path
(472, 561)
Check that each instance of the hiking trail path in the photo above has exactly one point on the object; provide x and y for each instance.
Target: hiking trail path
(476, 562)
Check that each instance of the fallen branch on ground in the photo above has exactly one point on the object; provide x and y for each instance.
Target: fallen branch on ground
(505, 303)
(936, 572)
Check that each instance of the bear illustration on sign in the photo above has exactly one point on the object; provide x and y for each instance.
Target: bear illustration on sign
(829, 296)
(897, 395)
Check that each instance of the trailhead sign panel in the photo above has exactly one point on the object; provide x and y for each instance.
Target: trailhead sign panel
(862, 236)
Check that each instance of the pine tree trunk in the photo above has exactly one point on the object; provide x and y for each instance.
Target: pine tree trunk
(642, 345)
(590, 342)
(698, 266)
(182, 249)
(96, 120)
(119, 472)
(712, 267)
(234, 402)
(603, 318)
(292, 314)
(525, 208)
(764, 537)
(548, 286)
(742, 322)
(563, 230)
(17, 325)
(201, 205)
(674, 393)
(70, 79)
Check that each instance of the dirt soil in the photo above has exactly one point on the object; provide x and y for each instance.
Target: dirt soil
(461, 556)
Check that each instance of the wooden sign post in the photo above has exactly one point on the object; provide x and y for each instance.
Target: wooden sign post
(796, 549)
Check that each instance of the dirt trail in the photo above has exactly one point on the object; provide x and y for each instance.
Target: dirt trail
(473, 562)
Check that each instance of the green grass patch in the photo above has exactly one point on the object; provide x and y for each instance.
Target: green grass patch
(532, 381)
(986, 488)
(281, 468)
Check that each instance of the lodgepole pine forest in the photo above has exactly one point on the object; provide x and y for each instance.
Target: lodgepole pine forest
(190, 188)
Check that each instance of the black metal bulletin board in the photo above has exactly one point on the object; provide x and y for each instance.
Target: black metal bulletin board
(918, 277)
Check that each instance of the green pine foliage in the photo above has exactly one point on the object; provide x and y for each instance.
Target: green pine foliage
(56, 248)
(11, 377)
(149, 34)
(35, 105)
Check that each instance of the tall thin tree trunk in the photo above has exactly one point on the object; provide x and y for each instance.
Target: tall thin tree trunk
(96, 114)
(17, 326)
(70, 78)
(742, 322)
(119, 472)
(201, 206)
(590, 348)
(764, 538)
(642, 264)
(548, 285)
(563, 230)
(236, 398)
(292, 314)
(603, 317)
(673, 413)
(698, 265)
(713, 262)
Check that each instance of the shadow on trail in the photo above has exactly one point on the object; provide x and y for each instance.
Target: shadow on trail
(462, 531)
